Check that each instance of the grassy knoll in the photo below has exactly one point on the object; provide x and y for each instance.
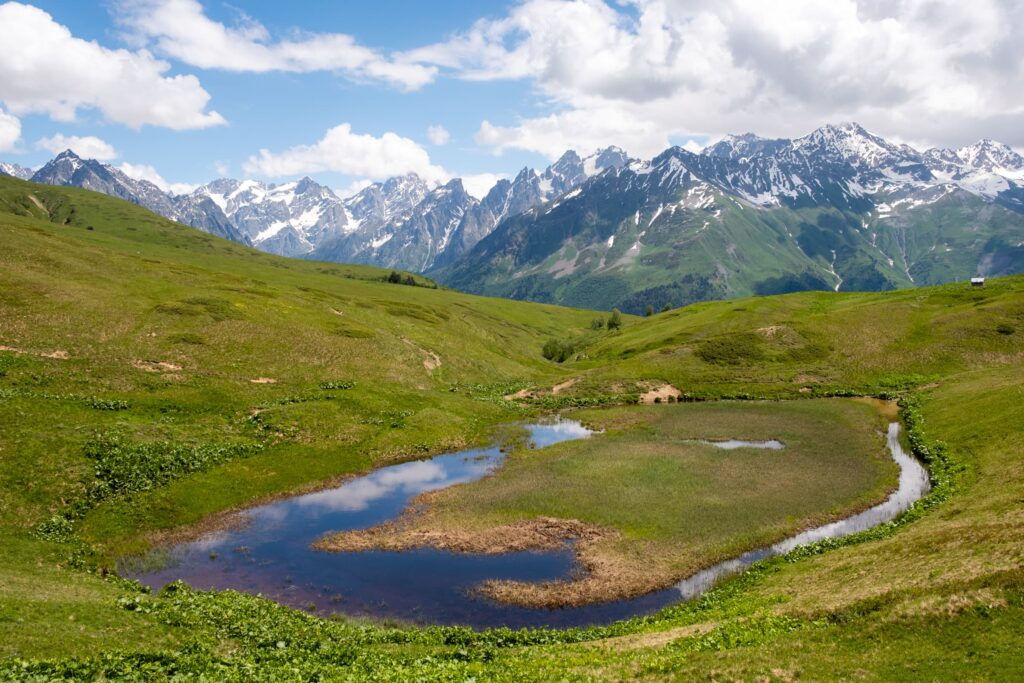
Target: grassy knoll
(657, 506)
(128, 407)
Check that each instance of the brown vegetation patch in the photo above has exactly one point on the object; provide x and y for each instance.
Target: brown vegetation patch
(155, 366)
(640, 641)
(603, 576)
(58, 354)
(263, 380)
(952, 605)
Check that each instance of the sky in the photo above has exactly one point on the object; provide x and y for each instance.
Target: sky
(184, 91)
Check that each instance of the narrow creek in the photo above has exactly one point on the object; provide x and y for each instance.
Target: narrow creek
(269, 551)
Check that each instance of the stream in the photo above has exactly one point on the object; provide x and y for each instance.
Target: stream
(268, 552)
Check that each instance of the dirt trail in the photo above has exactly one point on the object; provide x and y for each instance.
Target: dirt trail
(263, 380)
(35, 200)
(57, 355)
(562, 386)
(534, 393)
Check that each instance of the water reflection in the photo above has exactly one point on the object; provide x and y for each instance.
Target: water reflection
(733, 444)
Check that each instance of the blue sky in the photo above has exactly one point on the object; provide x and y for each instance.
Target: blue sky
(279, 110)
(345, 92)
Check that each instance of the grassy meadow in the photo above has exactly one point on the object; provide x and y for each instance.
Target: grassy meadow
(152, 375)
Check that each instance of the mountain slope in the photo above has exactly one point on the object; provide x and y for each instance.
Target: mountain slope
(837, 209)
(70, 170)
(287, 219)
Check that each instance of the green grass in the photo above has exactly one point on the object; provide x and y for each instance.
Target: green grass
(940, 597)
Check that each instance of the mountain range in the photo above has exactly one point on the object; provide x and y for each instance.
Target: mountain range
(838, 209)
(403, 222)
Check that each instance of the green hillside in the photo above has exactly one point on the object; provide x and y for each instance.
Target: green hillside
(614, 247)
(152, 376)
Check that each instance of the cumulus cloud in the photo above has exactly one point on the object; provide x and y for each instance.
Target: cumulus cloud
(181, 29)
(87, 147)
(342, 151)
(438, 135)
(353, 188)
(693, 146)
(45, 69)
(146, 172)
(10, 131)
(479, 184)
(637, 73)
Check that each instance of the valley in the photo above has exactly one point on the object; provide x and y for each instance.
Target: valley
(155, 379)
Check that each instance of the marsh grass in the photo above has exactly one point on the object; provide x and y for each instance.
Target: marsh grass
(672, 505)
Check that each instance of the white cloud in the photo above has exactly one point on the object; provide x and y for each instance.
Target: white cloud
(222, 168)
(353, 188)
(342, 151)
(693, 146)
(181, 29)
(45, 69)
(580, 129)
(478, 185)
(146, 172)
(638, 73)
(87, 147)
(10, 131)
(438, 135)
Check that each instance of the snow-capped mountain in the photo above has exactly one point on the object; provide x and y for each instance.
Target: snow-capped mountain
(15, 170)
(849, 167)
(400, 223)
(289, 219)
(838, 209)
(67, 168)
(403, 223)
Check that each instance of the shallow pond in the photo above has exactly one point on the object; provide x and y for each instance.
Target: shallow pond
(269, 551)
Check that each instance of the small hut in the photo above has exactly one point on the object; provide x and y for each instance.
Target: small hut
(977, 282)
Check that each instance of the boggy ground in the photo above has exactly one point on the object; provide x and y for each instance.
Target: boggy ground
(644, 505)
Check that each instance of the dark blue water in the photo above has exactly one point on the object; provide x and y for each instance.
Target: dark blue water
(269, 552)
